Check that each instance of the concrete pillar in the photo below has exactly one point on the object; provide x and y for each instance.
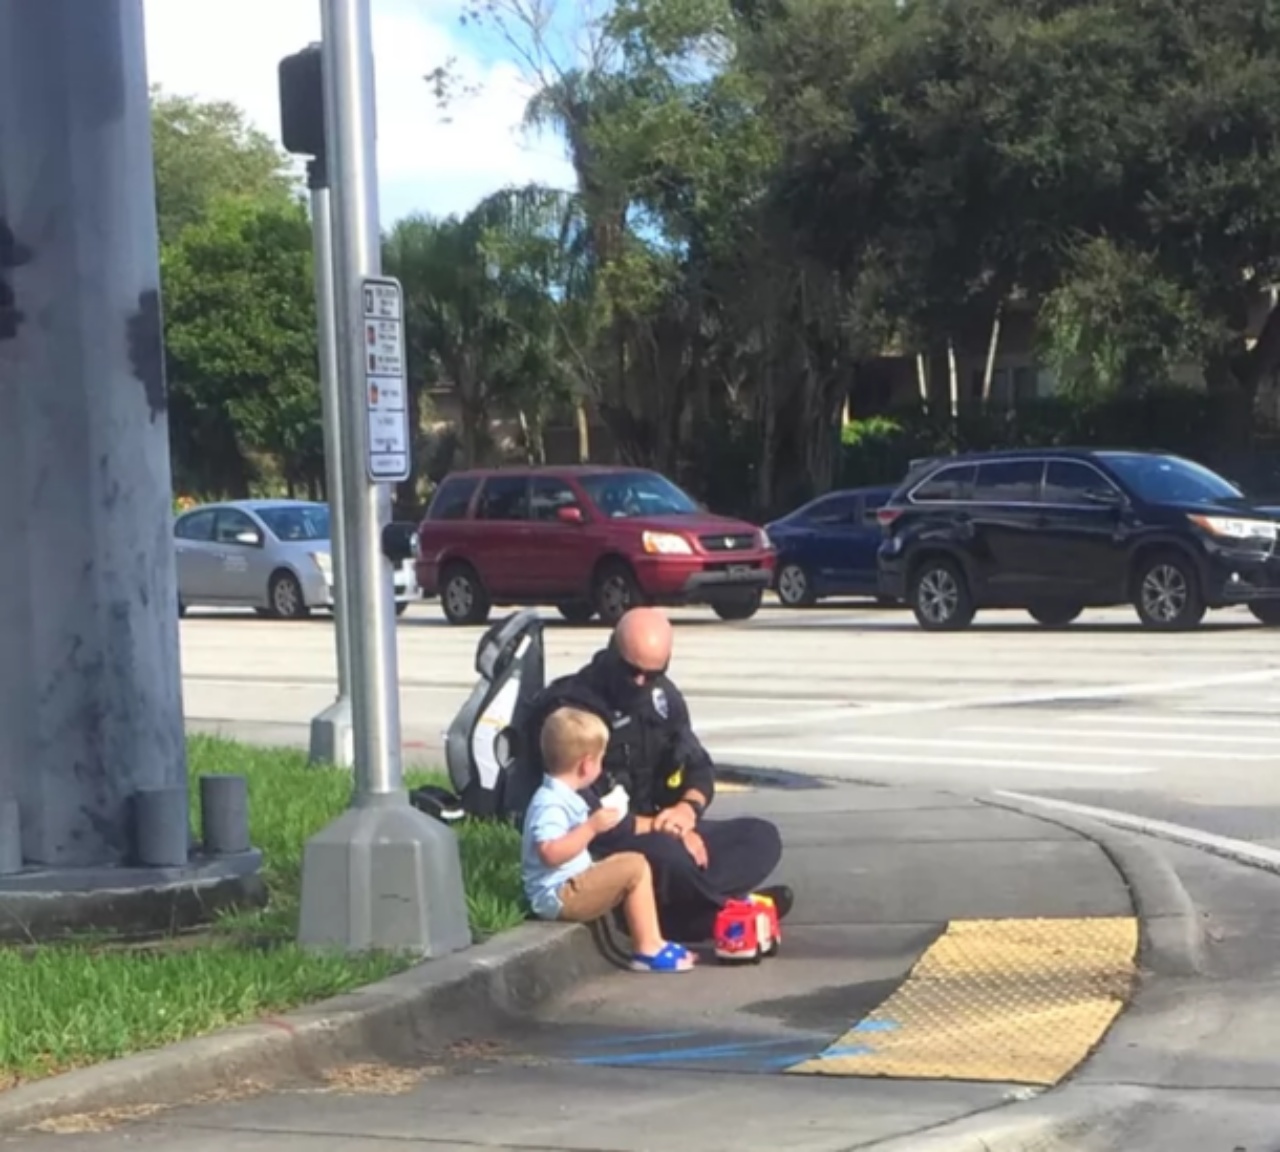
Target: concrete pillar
(90, 688)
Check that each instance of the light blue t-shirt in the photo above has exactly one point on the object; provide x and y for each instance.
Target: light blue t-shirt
(554, 810)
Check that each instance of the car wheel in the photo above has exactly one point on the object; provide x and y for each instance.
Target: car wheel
(1167, 593)
(738, 607)
(1267, 612)
(576, 611)
(1055, 615)
(463, 597)
(794, 588)
(286, 598)
(940, 596)
(616, 592)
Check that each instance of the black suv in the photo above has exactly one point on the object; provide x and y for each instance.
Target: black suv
(1058, 531)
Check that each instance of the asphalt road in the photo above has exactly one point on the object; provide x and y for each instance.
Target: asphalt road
(1183, 728)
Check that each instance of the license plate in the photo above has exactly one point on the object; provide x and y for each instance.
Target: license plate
(739, 569)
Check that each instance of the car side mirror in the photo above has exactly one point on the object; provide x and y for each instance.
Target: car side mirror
(399, 539)
(249, 537)
(570, 514)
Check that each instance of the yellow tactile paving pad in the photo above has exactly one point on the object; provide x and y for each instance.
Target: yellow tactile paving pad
(1013, 1001)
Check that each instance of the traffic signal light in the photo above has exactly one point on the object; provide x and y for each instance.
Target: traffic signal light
(12, 255)
(302, 103)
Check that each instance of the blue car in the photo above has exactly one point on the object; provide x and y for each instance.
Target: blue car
(828, 547)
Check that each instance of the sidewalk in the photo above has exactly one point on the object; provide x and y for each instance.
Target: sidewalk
(943, 958)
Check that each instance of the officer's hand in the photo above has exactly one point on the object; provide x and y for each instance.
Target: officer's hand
(697, 848)
(603, 819)
(676, 820)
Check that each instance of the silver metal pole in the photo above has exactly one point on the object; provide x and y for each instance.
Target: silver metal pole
(383, 875)
(331, 407)
(332, 737)
(367, 590)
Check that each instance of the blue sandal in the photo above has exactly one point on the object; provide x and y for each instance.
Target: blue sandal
(672, 958)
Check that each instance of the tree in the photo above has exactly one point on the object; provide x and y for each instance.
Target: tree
(491, 307)
(1117, 324)
(206, 150)
(774, 195)
(240, 332)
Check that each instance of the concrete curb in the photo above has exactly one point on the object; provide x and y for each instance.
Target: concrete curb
(1052, 1122)
(756, 776)
(1171, 929)
(389, 1020)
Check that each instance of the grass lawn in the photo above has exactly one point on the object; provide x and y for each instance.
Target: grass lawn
(66, 1005)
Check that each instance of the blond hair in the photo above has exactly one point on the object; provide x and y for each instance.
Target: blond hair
(571, 736)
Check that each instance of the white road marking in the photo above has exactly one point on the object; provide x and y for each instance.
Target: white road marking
(1211, 708)
(1181, 721)
(1241, 850)
(775, 755)
(913, 707)
(946, 742)
(788, 717)
(1074, 733)
(409, 685)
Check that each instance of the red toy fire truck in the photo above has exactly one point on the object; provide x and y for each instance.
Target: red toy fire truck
(747, 931)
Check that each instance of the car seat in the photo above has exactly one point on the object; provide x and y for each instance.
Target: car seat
(482, 744)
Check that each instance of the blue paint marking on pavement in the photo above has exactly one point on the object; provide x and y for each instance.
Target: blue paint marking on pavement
(792, 1059)
(876, 1026)
(788, 1059)
(635, 1038)
(847, 1050)
(673, 1055)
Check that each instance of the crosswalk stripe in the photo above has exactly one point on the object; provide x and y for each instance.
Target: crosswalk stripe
(854, 757)
(1118, 734)
(1182, 721)
(947, 743)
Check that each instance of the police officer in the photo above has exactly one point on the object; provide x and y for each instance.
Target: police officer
(698, 863)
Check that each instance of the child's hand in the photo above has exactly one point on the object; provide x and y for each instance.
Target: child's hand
(603, 819)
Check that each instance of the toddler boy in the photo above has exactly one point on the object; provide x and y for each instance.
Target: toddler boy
(560, 878)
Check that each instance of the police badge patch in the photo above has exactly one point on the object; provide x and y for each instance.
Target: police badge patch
(660, 705)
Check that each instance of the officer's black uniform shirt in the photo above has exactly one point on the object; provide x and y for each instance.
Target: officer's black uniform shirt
(653, 752)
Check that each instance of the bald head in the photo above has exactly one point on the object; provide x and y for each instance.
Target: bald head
(643, 639)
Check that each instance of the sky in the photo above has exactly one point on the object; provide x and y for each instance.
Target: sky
(230, 50)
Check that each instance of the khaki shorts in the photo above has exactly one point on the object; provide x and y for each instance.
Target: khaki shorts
(602, 887)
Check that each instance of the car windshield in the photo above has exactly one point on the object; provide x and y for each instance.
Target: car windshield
(302, 522)
(1171, 480)
(628, 495)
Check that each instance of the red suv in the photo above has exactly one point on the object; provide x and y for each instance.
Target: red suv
(593, 541)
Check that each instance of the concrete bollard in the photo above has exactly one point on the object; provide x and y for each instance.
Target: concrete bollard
(162, 827)
(224, 809)
(10, 838)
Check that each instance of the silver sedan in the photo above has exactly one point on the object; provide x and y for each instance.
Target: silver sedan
(269, 555)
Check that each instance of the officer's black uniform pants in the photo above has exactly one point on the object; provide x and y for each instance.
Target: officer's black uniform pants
(741, 853)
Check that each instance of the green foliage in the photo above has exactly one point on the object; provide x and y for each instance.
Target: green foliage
(770, 196)
(498, 305)
(206, 151)
(240, 334)
(1168, 418)
(1116, 323)
(63, 1006)
(860, 433)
